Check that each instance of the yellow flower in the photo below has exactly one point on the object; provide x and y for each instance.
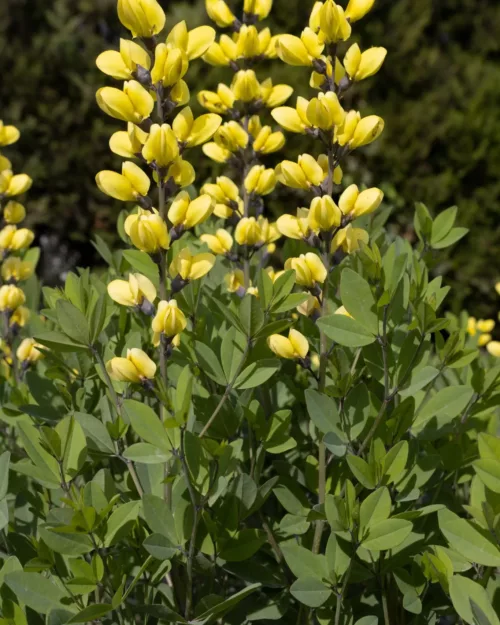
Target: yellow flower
(226, 196)
(169, 319)
(8, 134)
(129, 186)
(191, 132)
(217, 102)
(20, 317)
(274, 95)
(300, 51)
(309, 270)
(260, 8)
(235, 280)
(123, 65)
(485, 325)
(128, 143)
(245, 85)
(354, 204)
(325, 111)
(133, 104)
(147, 231)
(471, 326)
(15, 269)
(305, 173)
(324, 214)
(14, 212)
(170, 65)
(144, 18)
(194, 42)
(349, 239)
(13, 239)
(189, 213)
(484, 339)
(136, 367)
(333, 24)
(161, 145)
(367, 130)
(293, 119)
(181, 172)
(497, 287)
(309, 307)
(219, 243)
(27, 351)
(266, 141)
(325, 78)
(11, 297)
(260, 180)
(493, 348)
(295, 346)
(363, 65)
(295, 227)
(248, 231)
(356, 9)
(11, 185)
(132, 292)
(189, 266)
(219, 12)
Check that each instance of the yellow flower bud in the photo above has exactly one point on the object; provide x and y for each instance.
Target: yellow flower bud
(219, 243)
(189, 266)
(128, 143)
(324, 214)
(192, 132)
(367, 130)
(171, 64)
(247, 42)
(309, 270)
(132, 292)
(345, 133)
(128, 186)
(248, 231)
(305, 173)
(133, 104)
(169, 319)
(20, 317)
(219, 12)
(295, 227)
(354, 204)
(179, 93)
(14, 212)
(15, 269)
(161, 145)
(230, 137)
(234, 280)
(356, 9)
(13, 239)
(360, 66)
(493, 348)
(136, 367)
(349, 239)
(310, 306)
(217, 102)
(123, 65)
(147, 231)
(260, 8)
(8, 134)
(260, 180)
(226, 196)
(144, 18)
(485, 325)
(484, 339)
(11, 297)
(11, 185)
(189, 213)
(295, 346)
(27, 351)
(333, 23)
(245, 86)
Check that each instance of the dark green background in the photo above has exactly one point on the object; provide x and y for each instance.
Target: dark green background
(439, 92)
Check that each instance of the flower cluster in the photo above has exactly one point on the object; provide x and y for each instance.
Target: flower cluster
(16, 263)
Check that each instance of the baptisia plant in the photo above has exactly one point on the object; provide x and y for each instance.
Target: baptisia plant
(248, 417)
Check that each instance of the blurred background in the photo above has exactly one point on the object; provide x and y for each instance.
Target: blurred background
(438, 91)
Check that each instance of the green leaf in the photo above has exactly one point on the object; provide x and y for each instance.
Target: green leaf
(265, 288)
(4, 473)
(121, 521)
(489, 446)
(40, 458)
(367, 620)
(251, 315)
(143, 263)
(345, 331)
(160, 547)
(488, 470)
(225, 606)
(91, 613)
(98, 318)
(146, 454)
(73, 445)
(209, 363)
(282, 287)
(159, 517)
(146, 424)
(443, 224)
(35, 591)
(357, 297)
(66, 543)
(73, 322)
(242, 545)
(361, 471)
(464, 590)
(310, 591)
(441, 409)
(419, 380)
(323, 411)
(453, 237)
(96, 433)
(257, 373)
(59, 342)
(375, 508)
(291, 301)
(467, 540)
(386, 534)
(303, 562)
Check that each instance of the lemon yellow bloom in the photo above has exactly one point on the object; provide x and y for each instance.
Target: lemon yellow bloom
(269, 233)
(219, 12)
(497, 287)
(27, 351)
(265, 141)
(260, 8)
(295, 346)
(248, 231)
(293, 119)
(181, 172)
(229, 138)
(132, 292)
(235, 280)
(147, 231)
(324, 214)
(349, 239)
(300, 50)
(170, 65)
(309, 270)
(11, 297)
(122, 65)
(14, 212)
(15, 269)
(169, 319)
(295, 227)
(133, 104)
(360, 65)
(356, 9)
(144, 18)
(354, 204)
(128, 186)
(8, 134)
(356, 132)
(161, 145)
(219, 243)
(4, 163)
(493, 348)
(128, 143)
(325, 111)
(191, 266)
(485, 325)
(226, 196)
(136, 367)
(310, 306)
(190, 131)
(20, 317)
(220, 101)
(260, 180)
(274, 95)
(484, 339)
(193, 42)
(305, 173)
(332, 22)
(189, 213)
(11, 185)
(12, 238)
(245, 85)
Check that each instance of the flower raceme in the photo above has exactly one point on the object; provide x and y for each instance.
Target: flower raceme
(137, 367)
(189, 213)
(189, 266)
(309, 269)
(129, 186)
(132, 292)
(294, 347)
(169, 319)
(147, 231)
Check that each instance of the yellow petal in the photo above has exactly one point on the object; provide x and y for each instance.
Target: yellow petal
(119, 291)
(142, 362)
(299, 343)
(115, 185)
(138, 179)
(201, 265)
(199, 40)
(288, 118)
(111, 63)
(281, 346)
(204, 127)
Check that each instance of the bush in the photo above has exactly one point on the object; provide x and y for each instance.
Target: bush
(314, 444)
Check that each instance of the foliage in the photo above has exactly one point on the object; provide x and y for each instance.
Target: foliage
(315, 444)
